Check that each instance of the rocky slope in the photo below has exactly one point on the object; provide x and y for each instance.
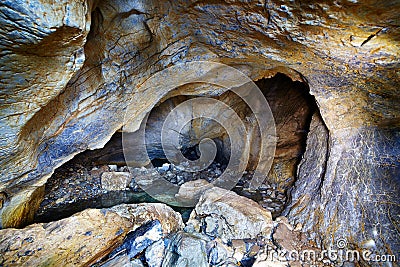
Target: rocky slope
(153, 235)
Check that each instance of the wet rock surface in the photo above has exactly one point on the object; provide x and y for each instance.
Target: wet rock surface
(75, 187)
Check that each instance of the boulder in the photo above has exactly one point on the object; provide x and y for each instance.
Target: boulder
(83, 238)
(142, 213)
(191, 191)
(222, 213)
(75, 241)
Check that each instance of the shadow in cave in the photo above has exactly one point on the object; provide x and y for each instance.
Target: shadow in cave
(76, 185)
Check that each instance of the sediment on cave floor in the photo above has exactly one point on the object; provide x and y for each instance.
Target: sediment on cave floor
(101, 178)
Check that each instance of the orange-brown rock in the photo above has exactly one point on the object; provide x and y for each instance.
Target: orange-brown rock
(81, 239)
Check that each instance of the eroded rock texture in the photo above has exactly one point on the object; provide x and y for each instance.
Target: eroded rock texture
(64, 90)
(357, 183)
(83, 238)
(224, 214)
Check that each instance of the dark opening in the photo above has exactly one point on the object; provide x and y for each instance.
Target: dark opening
(77, 184)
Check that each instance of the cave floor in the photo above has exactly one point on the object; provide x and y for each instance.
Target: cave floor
(75, 187)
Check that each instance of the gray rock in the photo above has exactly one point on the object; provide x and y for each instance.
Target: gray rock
(165, 167)
(122, 260)
(222, 213)
(113, 181)
(138, 240)
(113, 168)
(219, 253)
(186, 250)
(155, 254)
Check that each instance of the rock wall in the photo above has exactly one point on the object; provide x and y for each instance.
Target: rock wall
(65, 90)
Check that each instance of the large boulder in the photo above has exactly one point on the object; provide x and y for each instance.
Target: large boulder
(222, 213)
(83, 238)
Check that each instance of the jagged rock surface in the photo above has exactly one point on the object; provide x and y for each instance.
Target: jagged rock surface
(83, 238)
(222, 213)
(347, 51)
(186, 250)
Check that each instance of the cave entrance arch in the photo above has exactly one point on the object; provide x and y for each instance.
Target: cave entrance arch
(292, 107)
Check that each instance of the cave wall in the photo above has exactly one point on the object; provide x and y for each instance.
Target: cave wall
(65, 90)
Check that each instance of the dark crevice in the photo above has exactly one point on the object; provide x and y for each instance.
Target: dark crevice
(370, 37)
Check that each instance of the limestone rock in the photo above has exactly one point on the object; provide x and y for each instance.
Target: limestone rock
(325, 175)
(224, 214)
(192, 190)
(42, 46)
(142, 213)
(186, 250)
(83, 238)
(78, 240)
(115, 180)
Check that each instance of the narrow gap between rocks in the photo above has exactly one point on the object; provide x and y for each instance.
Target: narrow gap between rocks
(100, 178)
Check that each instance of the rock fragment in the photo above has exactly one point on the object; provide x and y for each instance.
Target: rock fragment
(113, 181)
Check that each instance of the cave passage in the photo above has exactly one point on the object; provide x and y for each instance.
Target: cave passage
(78, 184)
